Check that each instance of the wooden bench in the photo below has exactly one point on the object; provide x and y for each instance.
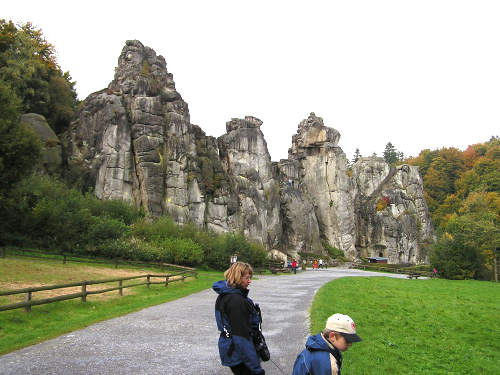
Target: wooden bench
(275, 270)
(413, 275)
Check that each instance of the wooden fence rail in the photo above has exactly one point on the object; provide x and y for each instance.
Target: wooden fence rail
(29, 302)
(393, 270)
(69, 257)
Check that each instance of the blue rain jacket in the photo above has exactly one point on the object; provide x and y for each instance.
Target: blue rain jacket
(236, 319)
(318, 358)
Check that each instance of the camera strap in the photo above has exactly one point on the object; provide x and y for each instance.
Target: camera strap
(279, 368)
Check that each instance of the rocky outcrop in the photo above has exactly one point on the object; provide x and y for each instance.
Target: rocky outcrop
(51, 153)
(392, 216)
(324, 180)
(245, 157)
(135, 142)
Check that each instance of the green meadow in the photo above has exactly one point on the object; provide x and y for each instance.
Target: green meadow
(415, 326)
(19, 329)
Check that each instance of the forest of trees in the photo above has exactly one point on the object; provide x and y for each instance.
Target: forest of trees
(462, 188)
(30, 81)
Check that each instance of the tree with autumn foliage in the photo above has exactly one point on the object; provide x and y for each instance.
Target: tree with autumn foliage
(467, 247)
(29, 67)
(462, 190)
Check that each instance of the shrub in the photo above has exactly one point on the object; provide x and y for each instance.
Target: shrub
(181, 251)
(103, 229)
(156, 230)
(333, 251)
(214, 251)
(115, 209)
(218, 248)
(453, 260)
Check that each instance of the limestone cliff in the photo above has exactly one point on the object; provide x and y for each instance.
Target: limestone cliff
(135, 142)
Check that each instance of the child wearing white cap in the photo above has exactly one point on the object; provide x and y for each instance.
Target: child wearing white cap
(323, 352)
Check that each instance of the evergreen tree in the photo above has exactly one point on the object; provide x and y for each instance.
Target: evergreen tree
(390, 154)
(357, 155)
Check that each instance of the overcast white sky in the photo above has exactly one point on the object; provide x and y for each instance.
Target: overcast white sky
(420, 74)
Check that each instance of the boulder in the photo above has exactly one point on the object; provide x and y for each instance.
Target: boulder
(51, 153)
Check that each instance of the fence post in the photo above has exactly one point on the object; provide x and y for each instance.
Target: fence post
(120, 284)
(27, 308)
(116, 263)
(183, 276)
(148, 280)
(166, 281)
(84, 291)
(64, 260)
(3, 252)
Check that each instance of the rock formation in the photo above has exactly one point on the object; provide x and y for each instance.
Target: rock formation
(135, 142)
(51, 153)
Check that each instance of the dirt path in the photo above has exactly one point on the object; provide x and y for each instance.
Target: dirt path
(180, 337)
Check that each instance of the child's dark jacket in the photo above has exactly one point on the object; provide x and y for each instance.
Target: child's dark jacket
(318, 358)
(236, 319)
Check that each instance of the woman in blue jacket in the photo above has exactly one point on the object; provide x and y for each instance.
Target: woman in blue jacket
(237, 319)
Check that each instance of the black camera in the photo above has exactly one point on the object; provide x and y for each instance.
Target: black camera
(261, 346)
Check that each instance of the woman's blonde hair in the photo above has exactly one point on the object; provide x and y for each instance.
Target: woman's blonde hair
(234, 273)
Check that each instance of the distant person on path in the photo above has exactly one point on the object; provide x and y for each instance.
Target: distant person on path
(315, 264)
(323, 352)
(321, 263)
(294, 266)
(237, 319)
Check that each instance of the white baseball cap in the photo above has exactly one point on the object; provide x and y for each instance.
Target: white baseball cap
(344, 325)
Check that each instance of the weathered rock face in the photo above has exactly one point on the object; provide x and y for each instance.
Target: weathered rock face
(245, 157)
(51, 153)
(392, 216)
(136, 138)
(324, 179)
(136, 143)
(301, 232)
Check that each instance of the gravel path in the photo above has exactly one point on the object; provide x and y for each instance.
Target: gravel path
(180, 337)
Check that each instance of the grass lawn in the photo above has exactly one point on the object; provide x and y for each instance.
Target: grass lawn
(416, 326)
(19, 329)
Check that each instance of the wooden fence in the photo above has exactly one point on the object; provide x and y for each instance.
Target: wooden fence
(28, 302)
(394, 270)
(66, 258)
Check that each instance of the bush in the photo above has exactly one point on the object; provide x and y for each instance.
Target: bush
(46, 213)
(156, 230)
(333, 251)
(115, 209)
(59, 222)
(181, 251)
(454, 259)
(218, 249)
(104, 229)
(49, 214)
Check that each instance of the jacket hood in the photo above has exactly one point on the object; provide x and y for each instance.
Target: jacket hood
(318, 343)
(221, 287)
